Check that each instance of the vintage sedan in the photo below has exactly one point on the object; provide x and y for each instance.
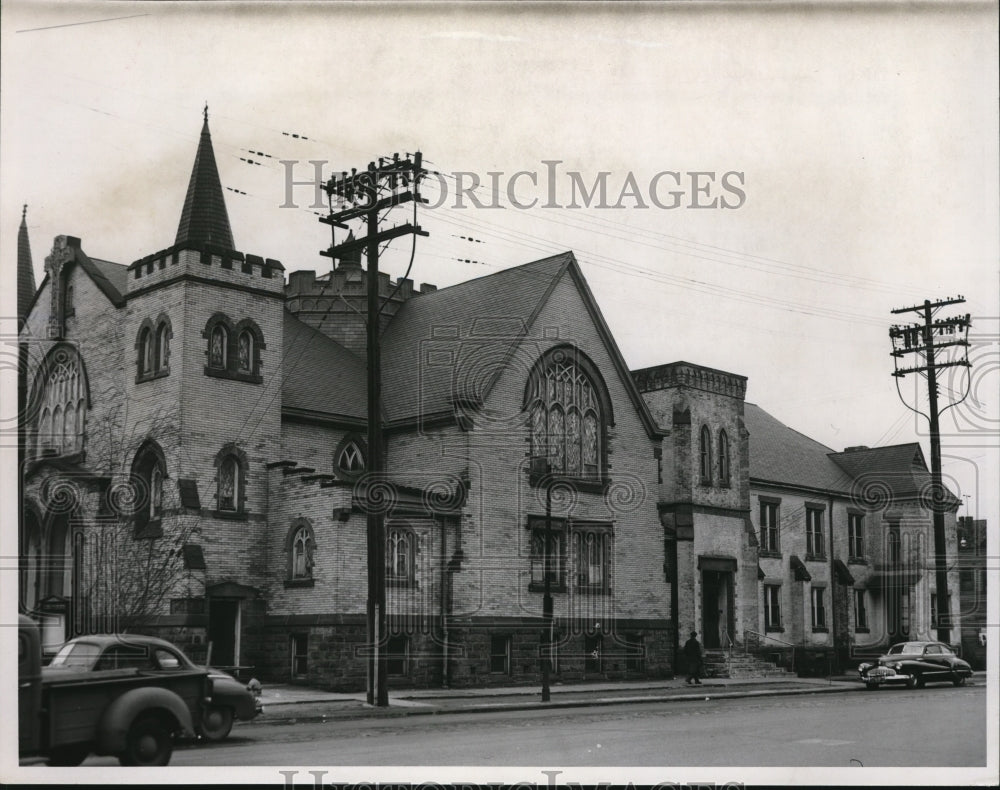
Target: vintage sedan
(912, 664)
(229, 699)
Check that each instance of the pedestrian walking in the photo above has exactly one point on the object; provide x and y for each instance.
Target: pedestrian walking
(692, 655)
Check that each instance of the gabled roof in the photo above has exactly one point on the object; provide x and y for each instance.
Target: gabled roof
(450, 346)
(480, 319)
(321, 377)
(901, 467)
(783, 456)
(110, 278)
(204, 218)
(779, 454)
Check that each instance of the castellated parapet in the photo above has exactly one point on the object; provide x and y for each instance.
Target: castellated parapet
(206, 262)
(336, 303)
(684, 374)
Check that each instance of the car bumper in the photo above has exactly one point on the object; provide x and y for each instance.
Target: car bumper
(883, 675)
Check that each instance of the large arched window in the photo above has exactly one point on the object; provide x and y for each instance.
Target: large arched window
(149, 470)
(61, 402)
(723, 458)
(231, 473)
(705, 455)
(569, 410)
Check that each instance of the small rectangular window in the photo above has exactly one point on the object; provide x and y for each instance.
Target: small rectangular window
(856, 536)
(500, 654)
(814, 533)
(818, 608)
(769, 527)
(772, 607)
(398, 655)
(300, 651)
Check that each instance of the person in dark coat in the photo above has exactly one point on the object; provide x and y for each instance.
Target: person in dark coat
(692, 653)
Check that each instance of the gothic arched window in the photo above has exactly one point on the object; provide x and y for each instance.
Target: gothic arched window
(61, 399)
(705, 455)
(149, 469)
(300, 545)
(163, 334)
(233, 349)
(723, 458)
(400, 548)
(350, 458)
(568, 411)
(145, 348)
(231, 472)
(218, 349)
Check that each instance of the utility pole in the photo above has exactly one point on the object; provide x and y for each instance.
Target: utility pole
(363, 196)
(927, 339)
(548, 565)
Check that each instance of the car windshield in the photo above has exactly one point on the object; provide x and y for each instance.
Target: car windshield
(76, 654)
(905, 647)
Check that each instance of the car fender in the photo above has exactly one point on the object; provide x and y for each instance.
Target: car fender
(112, 730)
(230, 693)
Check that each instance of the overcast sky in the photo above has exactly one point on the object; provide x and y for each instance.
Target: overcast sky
(863, 142)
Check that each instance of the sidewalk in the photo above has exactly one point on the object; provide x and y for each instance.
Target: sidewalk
(292, 703)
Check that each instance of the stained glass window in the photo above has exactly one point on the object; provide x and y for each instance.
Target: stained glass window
(565, 421)
(245, 349)
(228, 483)
(217, 351)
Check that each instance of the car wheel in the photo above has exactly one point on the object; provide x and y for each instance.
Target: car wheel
(216, 723)
(959, 681)
(148, 743)
(914, 681)
(68, 755)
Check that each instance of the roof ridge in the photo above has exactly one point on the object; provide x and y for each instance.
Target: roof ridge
(451, 288)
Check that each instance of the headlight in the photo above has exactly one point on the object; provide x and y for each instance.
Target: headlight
(864, 667)
(895, 665)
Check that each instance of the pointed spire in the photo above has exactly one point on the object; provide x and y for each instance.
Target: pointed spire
(204, 218)
(25, 269)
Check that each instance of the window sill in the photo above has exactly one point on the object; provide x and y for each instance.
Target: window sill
(233, 375)
(162, 373)
(775, 555)
(820, 629)
(773, 629)
(303, 583)
(862, 631)
(815, 558)
(402, 584)
(589, 485)
(857, 561)
(539, 587)
(229, 515)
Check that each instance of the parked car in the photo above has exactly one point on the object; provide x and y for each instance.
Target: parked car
(228, 699)
(66, 715)
(912, 664)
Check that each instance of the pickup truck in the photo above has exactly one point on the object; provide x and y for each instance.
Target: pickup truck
(127, 713)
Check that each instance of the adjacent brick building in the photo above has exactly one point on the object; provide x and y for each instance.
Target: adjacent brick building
(196, 466)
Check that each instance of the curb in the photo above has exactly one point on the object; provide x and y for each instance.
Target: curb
(367, 712)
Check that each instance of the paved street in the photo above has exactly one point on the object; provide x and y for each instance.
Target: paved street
(935, 726)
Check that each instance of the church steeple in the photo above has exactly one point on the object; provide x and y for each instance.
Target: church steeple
(204, 218)
(25, 270)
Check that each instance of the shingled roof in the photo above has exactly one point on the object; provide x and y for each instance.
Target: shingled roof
(779, 454)
(204, 218)
(321, 377)
(783, 456)
(901, 467)
(472, 323)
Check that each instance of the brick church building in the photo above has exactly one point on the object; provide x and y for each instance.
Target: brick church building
(195, 466)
